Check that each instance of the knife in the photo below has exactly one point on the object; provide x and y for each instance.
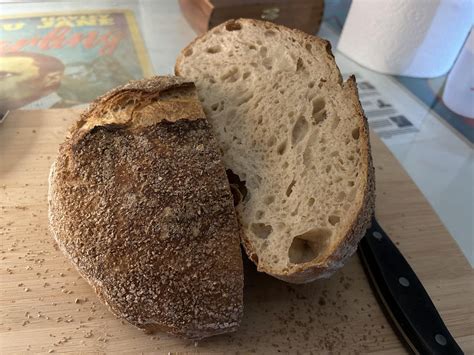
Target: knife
(403, 296)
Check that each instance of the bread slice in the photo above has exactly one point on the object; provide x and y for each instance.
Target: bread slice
(140, 203)
(296, 134)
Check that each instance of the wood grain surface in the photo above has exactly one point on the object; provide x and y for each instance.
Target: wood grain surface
(46, 307)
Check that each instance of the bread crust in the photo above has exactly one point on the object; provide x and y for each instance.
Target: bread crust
(139, 202)
(353, 231)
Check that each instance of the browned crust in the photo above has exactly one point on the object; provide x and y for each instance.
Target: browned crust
(141, 103)
(144, 212)
(355, 231)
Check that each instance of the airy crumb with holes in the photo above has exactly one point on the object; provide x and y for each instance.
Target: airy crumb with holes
(296, 134)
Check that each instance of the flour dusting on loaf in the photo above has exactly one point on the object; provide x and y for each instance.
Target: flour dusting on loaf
(140, 203)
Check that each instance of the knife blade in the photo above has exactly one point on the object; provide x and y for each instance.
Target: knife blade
(403, 295)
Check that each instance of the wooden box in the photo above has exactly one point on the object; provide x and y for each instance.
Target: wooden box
(305, 15)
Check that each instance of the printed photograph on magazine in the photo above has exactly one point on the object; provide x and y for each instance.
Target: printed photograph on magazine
(59, 60)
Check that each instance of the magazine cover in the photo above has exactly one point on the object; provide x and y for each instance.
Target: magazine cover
(59, 60)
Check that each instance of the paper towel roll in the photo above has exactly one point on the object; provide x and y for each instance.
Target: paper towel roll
(458, 92)
(419, 38)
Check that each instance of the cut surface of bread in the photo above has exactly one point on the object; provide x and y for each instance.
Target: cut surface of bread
(140, 203)
(296, 134)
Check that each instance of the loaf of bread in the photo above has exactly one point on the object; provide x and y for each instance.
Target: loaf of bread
(296, 134)
(140, 203)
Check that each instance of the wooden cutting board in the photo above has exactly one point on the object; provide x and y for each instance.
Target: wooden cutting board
(46, 306)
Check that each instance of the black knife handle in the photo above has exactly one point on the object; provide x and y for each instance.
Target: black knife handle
(403, 295)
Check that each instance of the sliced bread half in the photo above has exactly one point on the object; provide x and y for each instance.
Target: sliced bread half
(140, 203)
(296, 134)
